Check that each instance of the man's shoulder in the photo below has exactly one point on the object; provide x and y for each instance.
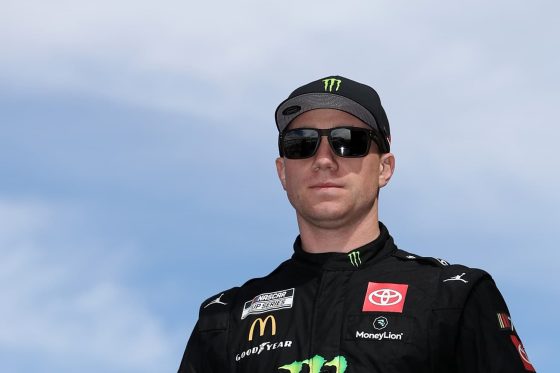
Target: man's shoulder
(441, 267)
(213, 312)
(427, 260)
(224, 301)
(453, 283)
(220, 300)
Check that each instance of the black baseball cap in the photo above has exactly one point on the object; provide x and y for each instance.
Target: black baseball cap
(337, 92)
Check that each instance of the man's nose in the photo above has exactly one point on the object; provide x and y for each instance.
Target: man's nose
(324, 157)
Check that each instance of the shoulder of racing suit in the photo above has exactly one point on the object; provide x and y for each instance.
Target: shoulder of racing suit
(213, 324)
(450, 272)
(214, 311)
(455, 282)
(210, 334)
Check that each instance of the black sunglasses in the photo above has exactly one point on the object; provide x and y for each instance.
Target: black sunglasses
(348, 142)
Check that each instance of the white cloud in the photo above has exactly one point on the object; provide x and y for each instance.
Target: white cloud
(59, 303)
(230, 59)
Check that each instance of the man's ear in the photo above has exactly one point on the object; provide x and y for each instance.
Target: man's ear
(386, 168)
(281, 170)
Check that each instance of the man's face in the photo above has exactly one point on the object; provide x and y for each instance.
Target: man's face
(329, 191)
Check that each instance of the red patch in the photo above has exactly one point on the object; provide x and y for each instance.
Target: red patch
(385, 297)
(524, 358)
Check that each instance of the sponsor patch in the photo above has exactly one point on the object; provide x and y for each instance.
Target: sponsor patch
(379, 336)
(268, 302)
(504, 321)
(315, 364)
(263, 347)
(385, 297)
(521, 350)
(216, 301)
(457, 278)
(380, 323)
(387, 328)
(262, 323)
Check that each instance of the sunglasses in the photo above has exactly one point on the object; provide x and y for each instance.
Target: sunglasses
(347, 142)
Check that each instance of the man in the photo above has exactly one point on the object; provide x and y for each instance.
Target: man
(349, 300)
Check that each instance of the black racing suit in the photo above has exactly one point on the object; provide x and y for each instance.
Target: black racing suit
(375, 309)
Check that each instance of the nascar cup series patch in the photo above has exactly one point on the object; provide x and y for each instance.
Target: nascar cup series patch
(268, 302)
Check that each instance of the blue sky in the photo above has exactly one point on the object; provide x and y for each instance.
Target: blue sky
(137, 155)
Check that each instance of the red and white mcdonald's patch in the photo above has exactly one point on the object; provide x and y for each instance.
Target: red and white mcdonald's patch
(385, 297)
(524, 358)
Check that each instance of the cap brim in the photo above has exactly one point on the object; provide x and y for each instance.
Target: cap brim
(291, 108)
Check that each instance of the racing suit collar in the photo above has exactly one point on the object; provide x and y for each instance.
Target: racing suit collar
(360, 257)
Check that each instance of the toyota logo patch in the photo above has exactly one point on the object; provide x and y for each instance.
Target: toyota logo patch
(385, 297)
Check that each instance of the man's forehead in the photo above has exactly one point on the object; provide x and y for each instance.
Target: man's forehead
(326, 118)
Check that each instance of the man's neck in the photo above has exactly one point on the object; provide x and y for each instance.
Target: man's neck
(347, 237)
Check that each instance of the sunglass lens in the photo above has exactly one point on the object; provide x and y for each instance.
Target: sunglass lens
(348, 142)
(301, 143)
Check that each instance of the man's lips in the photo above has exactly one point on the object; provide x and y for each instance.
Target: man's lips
(325, 186)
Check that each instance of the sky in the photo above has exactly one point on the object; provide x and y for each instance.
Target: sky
(137, 151)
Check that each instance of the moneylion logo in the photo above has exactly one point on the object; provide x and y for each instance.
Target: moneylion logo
(379, 336)
(330, 84)
(355, 258)
(380, 322)
(315, 364)
(262, 326)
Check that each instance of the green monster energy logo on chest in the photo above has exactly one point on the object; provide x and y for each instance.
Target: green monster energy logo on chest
(316, 363)
(354, 257)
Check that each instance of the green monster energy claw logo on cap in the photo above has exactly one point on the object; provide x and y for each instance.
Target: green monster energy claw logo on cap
(315, 364)
(354, 257)
(330, 82)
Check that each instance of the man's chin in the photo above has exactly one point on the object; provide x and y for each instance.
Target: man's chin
(326, 215)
